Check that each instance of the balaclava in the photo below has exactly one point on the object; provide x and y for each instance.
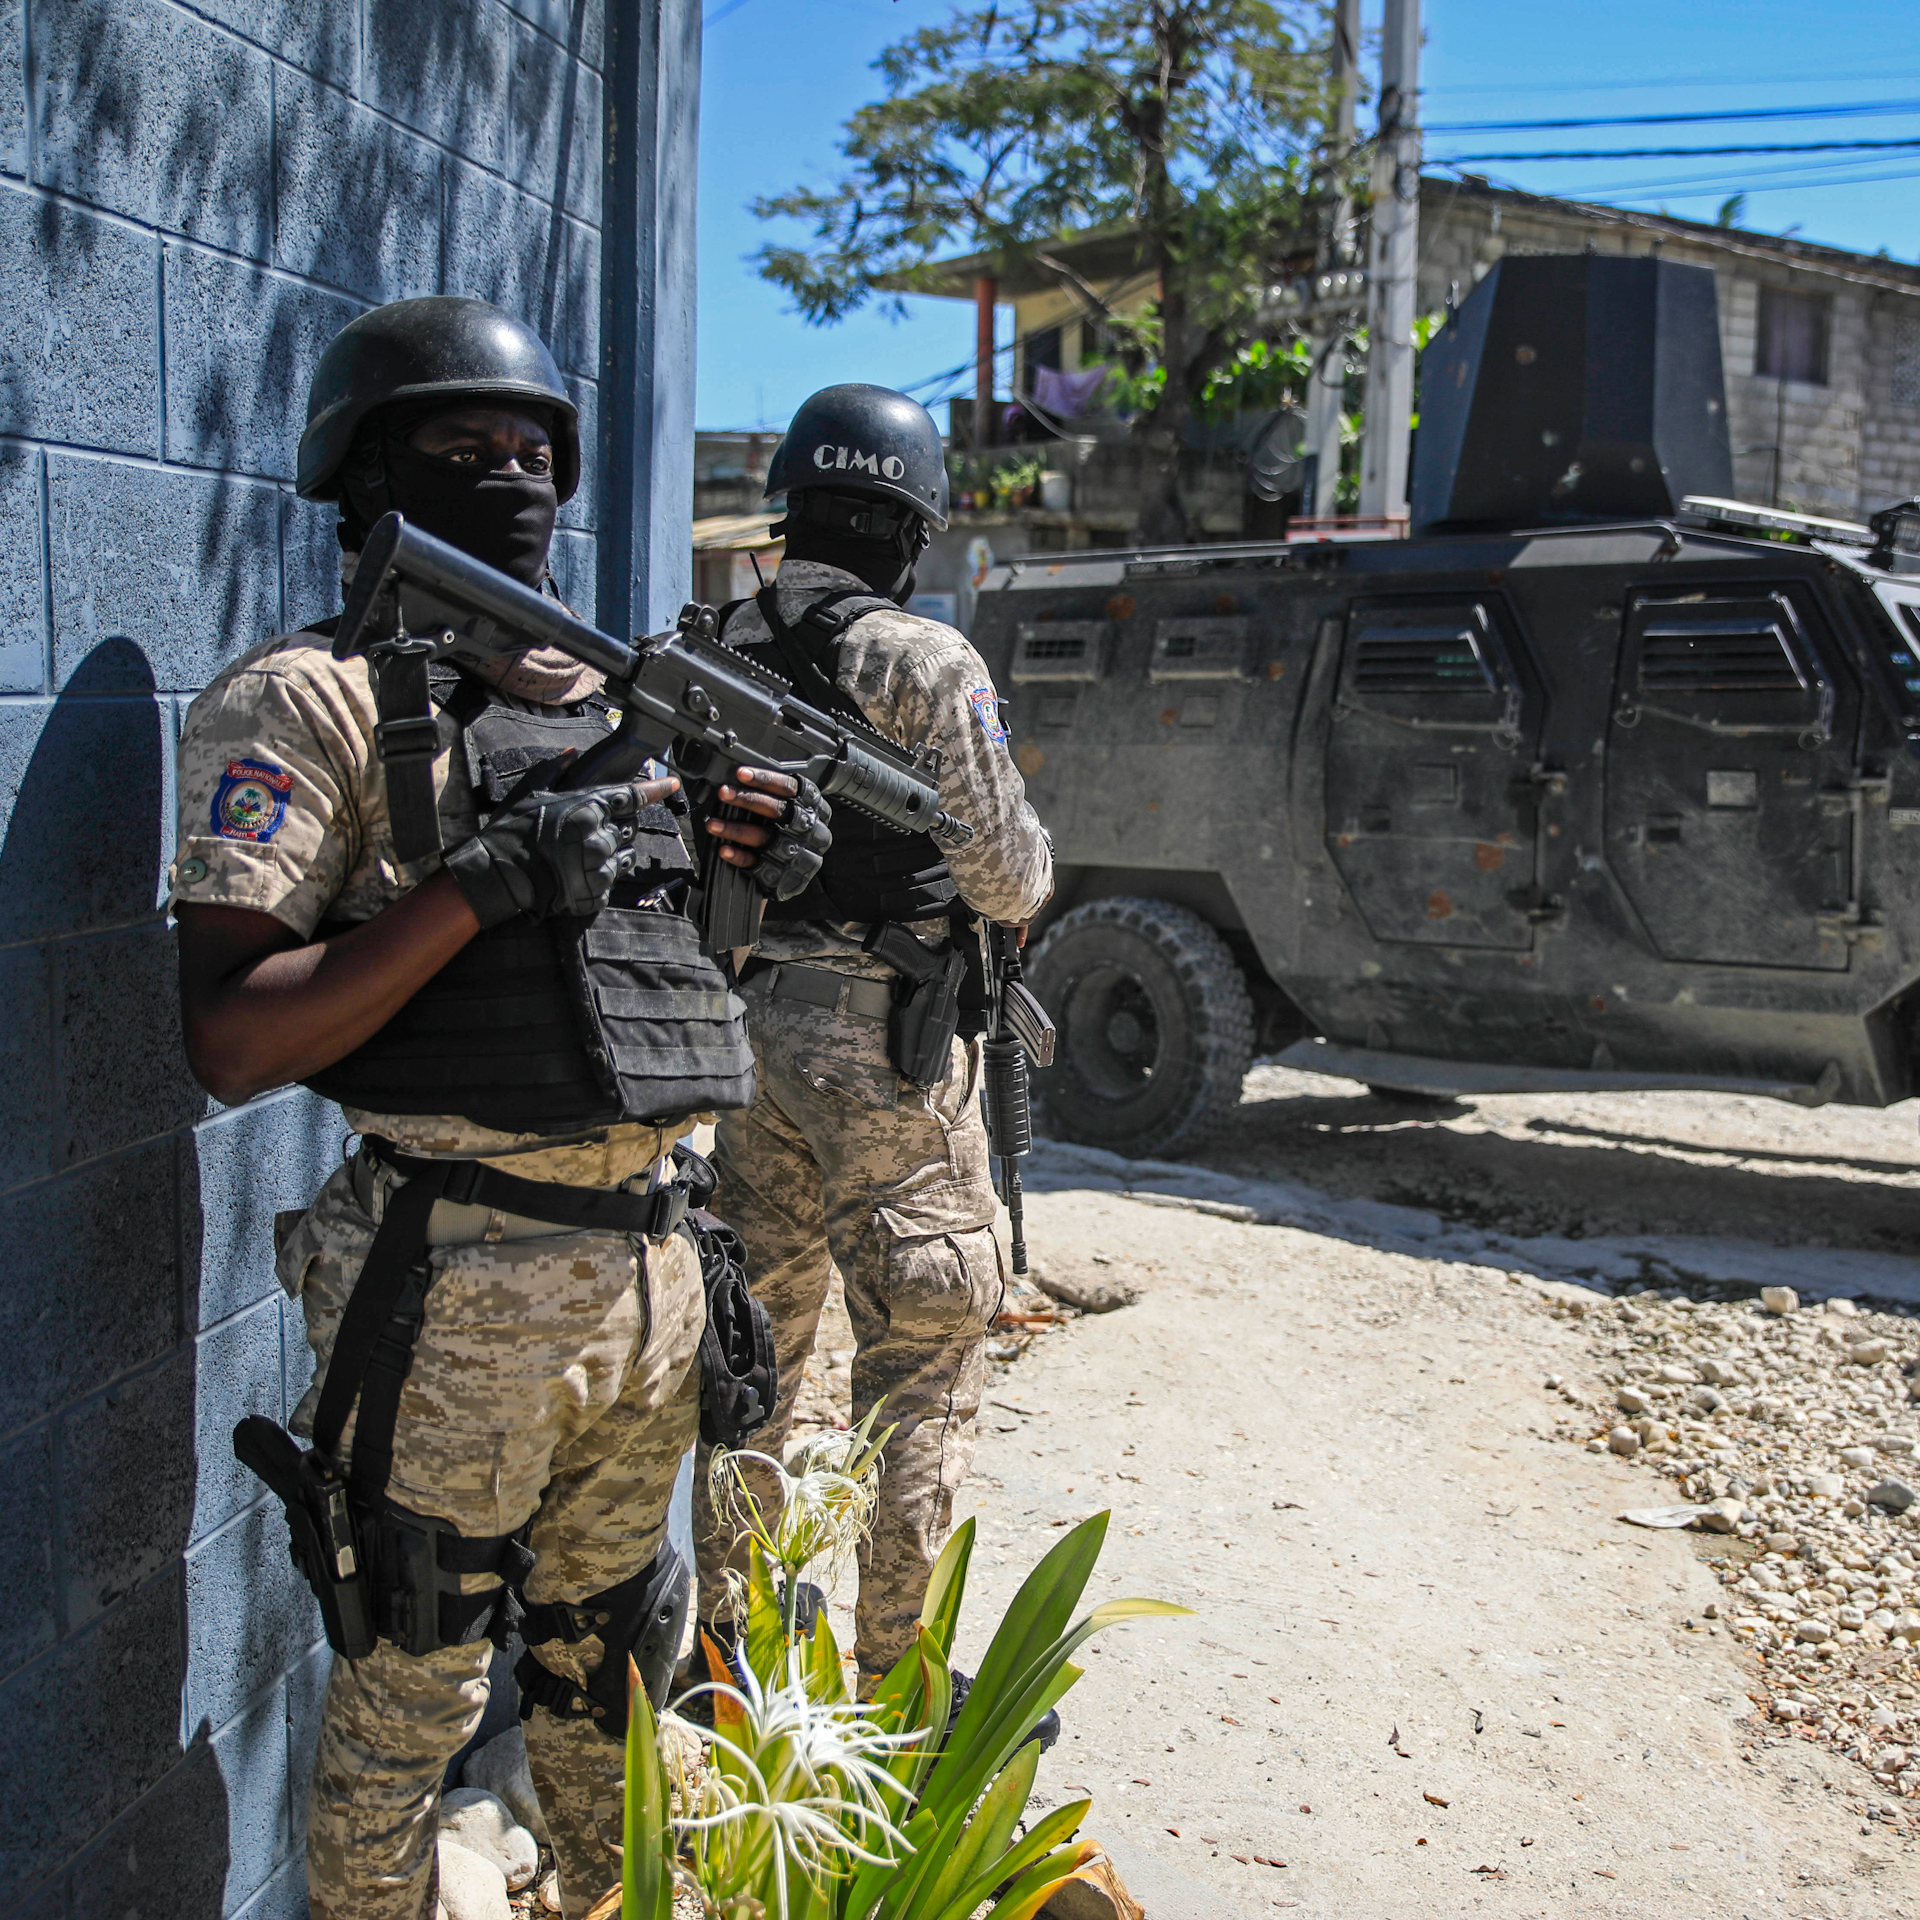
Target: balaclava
(880, 543)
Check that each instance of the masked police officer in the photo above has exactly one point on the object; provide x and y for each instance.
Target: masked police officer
(381, 893)
(864, 1147)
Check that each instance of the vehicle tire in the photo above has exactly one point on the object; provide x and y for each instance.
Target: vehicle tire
(1155, 1025)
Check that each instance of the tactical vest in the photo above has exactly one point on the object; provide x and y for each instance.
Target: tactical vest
(873, 871)
(555, 1026)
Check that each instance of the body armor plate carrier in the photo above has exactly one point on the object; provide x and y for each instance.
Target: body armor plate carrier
(872, 871)
(557, 1026)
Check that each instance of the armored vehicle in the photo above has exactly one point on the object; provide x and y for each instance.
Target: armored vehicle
(1598, 781)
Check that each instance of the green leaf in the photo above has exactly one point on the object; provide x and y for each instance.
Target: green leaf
(766, 1624)
(826, 1677)
(1035, 1887)
(1045, 1834)
(940, 1608)
(984, 1838)
(646, 1879)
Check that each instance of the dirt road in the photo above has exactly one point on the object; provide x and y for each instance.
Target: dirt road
(1325, 1426)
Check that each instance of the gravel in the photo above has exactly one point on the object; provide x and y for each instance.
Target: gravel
(1786, 1451)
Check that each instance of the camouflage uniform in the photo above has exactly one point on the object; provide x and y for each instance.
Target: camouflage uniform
(554, 1377)
(841, 1162)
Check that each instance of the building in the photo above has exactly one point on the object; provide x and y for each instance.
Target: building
(1821, 347)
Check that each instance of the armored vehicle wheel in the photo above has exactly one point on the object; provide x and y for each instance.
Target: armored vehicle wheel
(1156, 1029)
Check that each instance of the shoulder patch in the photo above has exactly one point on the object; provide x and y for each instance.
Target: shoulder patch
(251, 800)
(986, 709)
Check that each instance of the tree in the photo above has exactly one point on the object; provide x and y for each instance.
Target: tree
(1022, 122)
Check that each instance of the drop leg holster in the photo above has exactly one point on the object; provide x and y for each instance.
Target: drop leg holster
(642, 1618)
(379, 1570)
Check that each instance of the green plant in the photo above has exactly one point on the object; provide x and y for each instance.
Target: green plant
(814, 1807)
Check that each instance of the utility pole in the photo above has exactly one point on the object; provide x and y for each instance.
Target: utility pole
(1393, 260)
(1327, 337)
(986, 294)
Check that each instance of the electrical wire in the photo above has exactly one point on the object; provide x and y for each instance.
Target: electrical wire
(1773, 79)
(1683, 153)
(1846, 111)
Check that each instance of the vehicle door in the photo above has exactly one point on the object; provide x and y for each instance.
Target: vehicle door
(1432, 774)
(1729, 753)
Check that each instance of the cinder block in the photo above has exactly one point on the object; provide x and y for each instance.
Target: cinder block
(23, 636)
(573, 570)
(241, 347)
(296, 1356)
(45, 1903)
(64, 870)
(578, 25)
(88, 1728)
(582, 511)
(186, 567)
(249, 1615)
(335, 156)
(320, 37)
(93, 380)
(201, 1842)
(306, 1697)
(141, 109)
(440, 66)
(13, 92)
(284, 1897)
(92, 1280)
(26, 1067)
(237, 1171)
(520, 254)
(236, 1372)
(554, 125)
(125, 1485)
(309, 561)
(27, 1622)
(120, 1072)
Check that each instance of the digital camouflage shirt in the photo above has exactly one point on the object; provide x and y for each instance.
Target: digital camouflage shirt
(921, 684)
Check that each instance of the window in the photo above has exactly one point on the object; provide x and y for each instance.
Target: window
(1041, 349)
(1792, 340)
(1906, 360)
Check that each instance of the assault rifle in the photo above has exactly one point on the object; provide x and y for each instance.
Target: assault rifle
(1021, 1032)
(682, 696)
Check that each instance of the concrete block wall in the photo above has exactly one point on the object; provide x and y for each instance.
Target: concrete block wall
(194, 195)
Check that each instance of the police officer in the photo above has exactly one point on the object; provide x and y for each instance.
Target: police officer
(854, 1154)
(381, 893)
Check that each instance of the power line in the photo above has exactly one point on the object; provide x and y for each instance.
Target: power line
(1682, 153)
(1774, 79)
(720, 12)
(1679, 119)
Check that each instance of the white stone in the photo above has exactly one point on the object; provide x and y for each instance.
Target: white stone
(484, 1824)
(1675, 1376)
(550, 1891)
(1868, 1353)
(1779, 1299)
(470, 1888)
(1852, 1617)
(1813, 1631)
(1719, 1373)
(1632, 1400)
(1845, 1308)
(1624, 1441)
(1891, 1442)
(1825, 1486)
(1722, 1516)
(1861, 1457)
(501, 1767)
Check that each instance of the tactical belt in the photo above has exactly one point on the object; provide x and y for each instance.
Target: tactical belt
(821, 987)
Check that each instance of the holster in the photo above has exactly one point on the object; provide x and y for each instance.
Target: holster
(739, 1372)
(925, 1014)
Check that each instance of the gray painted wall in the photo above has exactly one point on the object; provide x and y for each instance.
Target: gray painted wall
(193, 197)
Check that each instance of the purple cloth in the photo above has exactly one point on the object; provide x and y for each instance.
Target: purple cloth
(1067, 395)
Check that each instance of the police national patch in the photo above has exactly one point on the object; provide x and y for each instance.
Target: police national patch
(986, 709)
(251, 801)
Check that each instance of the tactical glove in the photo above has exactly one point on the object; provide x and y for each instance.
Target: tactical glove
(547, 854)
(788, 862)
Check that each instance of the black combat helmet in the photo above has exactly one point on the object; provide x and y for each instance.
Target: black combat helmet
(420, 350)
(866, 440)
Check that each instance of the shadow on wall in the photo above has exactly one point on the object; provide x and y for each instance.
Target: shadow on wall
(150, 1619)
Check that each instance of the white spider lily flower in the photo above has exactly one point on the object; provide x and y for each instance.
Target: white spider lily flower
(827, 1498)
(802, 1779)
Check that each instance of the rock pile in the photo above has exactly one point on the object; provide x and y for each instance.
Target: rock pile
(1792, 1430)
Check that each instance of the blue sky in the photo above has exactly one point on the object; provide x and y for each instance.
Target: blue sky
(782, 75)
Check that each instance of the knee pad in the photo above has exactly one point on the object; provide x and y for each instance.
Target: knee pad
(642, 1618)
(418, 1563)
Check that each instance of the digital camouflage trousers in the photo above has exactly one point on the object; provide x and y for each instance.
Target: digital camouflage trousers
(555, 1378)
(841, 1162)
